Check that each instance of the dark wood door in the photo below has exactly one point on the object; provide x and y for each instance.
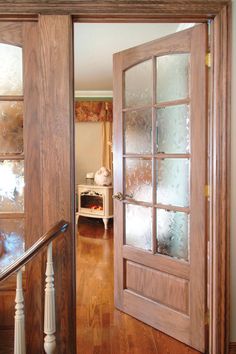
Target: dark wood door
(159, 182)
(37, 168)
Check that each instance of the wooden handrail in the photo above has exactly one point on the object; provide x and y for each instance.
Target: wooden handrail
(43, 241)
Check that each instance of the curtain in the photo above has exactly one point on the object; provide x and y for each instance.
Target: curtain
(107, 145)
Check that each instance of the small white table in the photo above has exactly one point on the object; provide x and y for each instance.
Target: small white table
(95, 202)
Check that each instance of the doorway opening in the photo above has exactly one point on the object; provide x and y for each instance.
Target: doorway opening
(100, 326)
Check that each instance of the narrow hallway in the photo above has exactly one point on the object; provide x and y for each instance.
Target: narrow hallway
(100, 327)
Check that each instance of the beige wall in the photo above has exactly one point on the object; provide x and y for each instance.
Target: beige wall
(233, 185)
(88, 149)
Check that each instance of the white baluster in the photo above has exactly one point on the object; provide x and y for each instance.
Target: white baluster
(19, 337)
(49, 309)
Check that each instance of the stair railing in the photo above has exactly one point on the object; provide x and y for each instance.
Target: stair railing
(49, 304)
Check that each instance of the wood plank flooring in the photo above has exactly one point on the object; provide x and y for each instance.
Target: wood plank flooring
(101, 329)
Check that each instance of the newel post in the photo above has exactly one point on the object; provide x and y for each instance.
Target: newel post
(19, 335)
(49, 309)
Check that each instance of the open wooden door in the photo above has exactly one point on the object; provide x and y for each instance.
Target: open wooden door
(159, 181)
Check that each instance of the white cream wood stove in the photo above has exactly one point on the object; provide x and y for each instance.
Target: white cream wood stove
(95, 202)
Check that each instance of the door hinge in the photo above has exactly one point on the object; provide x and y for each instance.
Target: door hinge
(208, 60)
(207, 190)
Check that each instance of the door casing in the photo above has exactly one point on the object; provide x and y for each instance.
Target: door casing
(219, 12)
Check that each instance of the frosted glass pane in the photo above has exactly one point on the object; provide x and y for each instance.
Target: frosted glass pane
(138, 132)
(173, 182)
(172, 77)
(11, 127)
(138, 85)
(172, 233)
(138, 226)
(11, 241)
(173, 130)
(10, 70)
(11, 186)
(138, 178)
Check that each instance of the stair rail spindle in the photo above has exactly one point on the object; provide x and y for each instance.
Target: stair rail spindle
(49, 309)
(19, 335)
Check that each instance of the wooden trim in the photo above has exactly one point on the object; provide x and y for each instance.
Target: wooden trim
(118, 179)
(159, 156)
(121, 9)
(173, 266)
(232, 348)
(220, 184)
(12, 215)
(12, 98)
(11, 157)
(58, 187)
(35, 270)
(31, 252)
(11, 33)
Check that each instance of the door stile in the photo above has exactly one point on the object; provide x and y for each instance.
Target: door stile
(118, 182)
(199, 243)
(154, 162)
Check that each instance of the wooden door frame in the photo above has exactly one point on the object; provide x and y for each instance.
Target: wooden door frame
(219, 12)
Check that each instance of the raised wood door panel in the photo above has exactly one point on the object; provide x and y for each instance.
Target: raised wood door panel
(159, 167)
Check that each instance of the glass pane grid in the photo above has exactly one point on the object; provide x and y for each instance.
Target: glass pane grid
(173, 110)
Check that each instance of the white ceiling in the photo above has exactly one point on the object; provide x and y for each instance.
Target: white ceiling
(94, 44)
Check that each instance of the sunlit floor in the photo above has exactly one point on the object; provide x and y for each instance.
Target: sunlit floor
(100, 327)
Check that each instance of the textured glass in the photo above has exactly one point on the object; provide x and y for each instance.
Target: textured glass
(138, 85)
(10, 70)
(11, 127)
(172, 77)
(173, 182)
(11, 241)
(138, 132)
(138, 178)
(172, 233)
(138, 226)
(173, 129)
(11, 186)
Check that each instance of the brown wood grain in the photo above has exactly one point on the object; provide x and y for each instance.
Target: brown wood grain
(158, 286)
(101, 328)
(33, 190)
(198, 239)
(140, 304)
(11, 33)
(56, 111)
(121, 9)
(220, 182)
(118, 179)
(232, 348)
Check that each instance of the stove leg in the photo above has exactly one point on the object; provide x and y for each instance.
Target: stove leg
(105, 220)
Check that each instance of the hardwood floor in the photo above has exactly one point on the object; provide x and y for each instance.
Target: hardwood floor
(102, 329)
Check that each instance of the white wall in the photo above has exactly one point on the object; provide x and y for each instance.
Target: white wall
(88, 149)
(233, 185)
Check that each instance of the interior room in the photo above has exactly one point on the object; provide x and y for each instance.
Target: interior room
(98, 322)
(117, 170)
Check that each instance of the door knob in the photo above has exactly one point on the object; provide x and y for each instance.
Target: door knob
(119, 196)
